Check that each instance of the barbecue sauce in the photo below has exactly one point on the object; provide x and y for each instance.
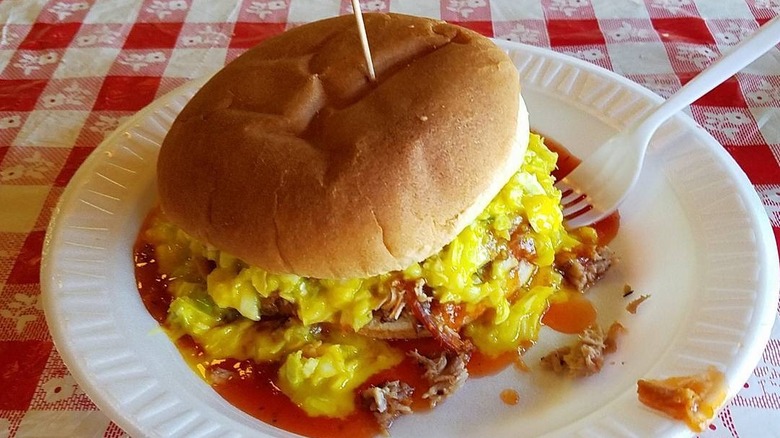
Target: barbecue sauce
(151, 285)
(571, 315)
(251, 388)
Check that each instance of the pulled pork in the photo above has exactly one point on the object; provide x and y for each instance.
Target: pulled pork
(586, 357)
(405, 327)
(446, 374)
(276, 306)
(584, 268)
(633, 305)
(419, 299)
(394, 304)
(389, 401)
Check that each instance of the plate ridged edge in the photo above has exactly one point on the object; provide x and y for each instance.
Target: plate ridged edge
(166, 414)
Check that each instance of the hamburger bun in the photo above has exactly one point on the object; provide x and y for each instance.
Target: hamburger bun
(292, 160)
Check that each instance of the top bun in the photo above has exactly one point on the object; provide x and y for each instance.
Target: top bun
(292, 160)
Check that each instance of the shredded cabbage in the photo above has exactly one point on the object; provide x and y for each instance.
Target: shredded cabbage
(322, 379)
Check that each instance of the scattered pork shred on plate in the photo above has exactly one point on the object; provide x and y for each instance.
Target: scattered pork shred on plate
(586, 356)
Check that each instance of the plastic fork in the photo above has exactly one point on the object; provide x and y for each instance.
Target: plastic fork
(595, 188)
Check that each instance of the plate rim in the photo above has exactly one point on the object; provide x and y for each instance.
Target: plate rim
(766, 243)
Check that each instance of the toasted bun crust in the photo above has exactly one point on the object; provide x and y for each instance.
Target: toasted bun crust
(292, 160)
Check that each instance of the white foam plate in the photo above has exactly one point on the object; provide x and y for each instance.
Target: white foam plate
(694, 235)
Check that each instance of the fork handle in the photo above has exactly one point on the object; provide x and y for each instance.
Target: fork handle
(718, 72)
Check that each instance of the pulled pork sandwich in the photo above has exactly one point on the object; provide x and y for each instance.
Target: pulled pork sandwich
(310, 218)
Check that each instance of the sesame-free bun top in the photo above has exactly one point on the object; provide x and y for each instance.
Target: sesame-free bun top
(292, 160)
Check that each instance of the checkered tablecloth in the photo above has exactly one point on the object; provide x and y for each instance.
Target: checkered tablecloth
(72, 70)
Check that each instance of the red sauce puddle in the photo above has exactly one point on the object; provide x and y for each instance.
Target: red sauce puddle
(152, 287)
(255, 393)
(251, 388)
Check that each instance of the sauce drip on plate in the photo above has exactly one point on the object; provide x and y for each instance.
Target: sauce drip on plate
(510, 396)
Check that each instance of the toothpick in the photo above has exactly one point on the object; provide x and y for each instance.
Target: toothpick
(363, 38)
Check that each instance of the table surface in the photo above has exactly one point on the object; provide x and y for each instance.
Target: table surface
(72, 70)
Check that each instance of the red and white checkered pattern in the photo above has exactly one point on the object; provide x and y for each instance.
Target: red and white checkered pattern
(72, 70)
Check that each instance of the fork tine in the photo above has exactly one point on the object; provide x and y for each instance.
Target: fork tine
(574, 205)
(582, 198)
(567, 193)
(574, 210)
(577, 212)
